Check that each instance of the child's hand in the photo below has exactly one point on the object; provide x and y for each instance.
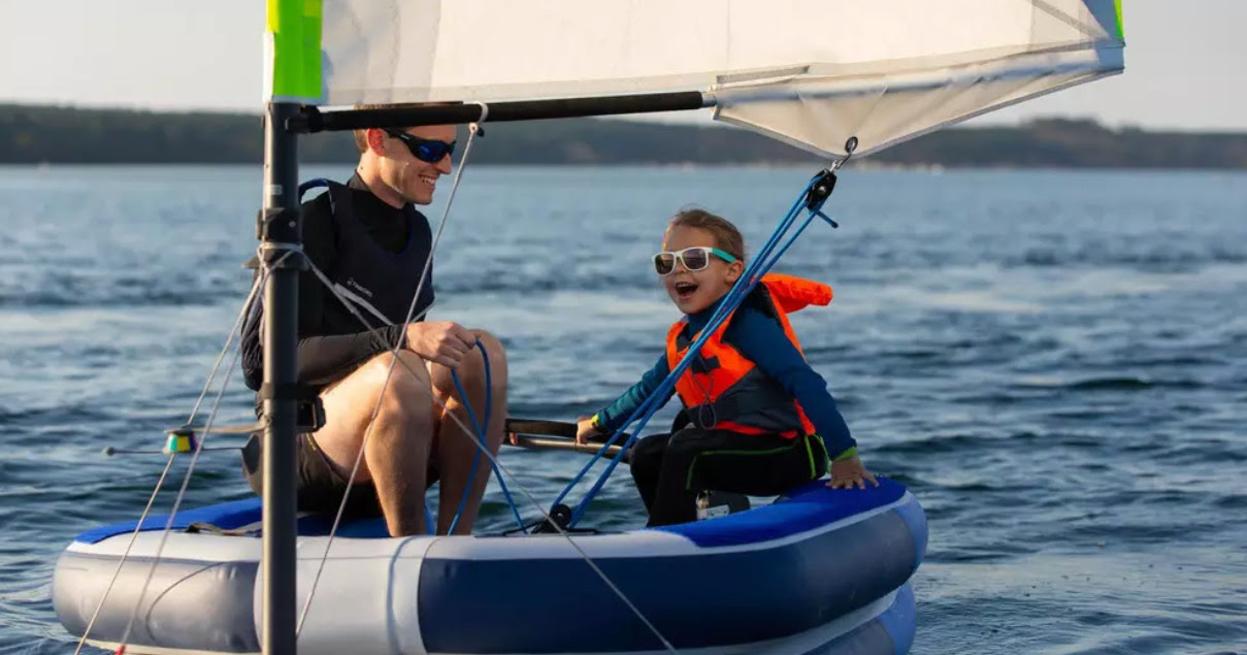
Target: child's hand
(585, 429)
(849, 473)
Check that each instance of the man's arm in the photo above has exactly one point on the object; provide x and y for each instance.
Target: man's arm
(325, 358)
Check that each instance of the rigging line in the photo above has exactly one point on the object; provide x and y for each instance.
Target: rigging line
(482, 432)
(394, 349)
(731, 302)
(503, 471)
(336, 290)
(190, 469)
(497, 465)
(654, 398)
(570, 541)
(125, 555)
(380, 340)
(659, 395)
(151, 500)
(566, 536)
(812, 198)
(473, 131)
(255, 287)
(735, 296)
(528, 495)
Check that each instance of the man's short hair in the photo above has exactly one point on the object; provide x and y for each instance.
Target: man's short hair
(361, 136)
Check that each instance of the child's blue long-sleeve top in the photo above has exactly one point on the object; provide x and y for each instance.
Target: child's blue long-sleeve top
(761, 339)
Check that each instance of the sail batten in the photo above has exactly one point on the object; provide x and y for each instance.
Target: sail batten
(811, 72)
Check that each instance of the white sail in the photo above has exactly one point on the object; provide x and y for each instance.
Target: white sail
(809, 72)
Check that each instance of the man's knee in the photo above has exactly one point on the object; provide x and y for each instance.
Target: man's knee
(408, 385)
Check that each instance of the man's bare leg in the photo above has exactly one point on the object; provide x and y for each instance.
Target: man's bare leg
(455, 448)
(397, 450)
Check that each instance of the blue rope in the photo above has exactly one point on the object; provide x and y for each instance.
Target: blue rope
(761, 263)
(482, 432)
(645, 406)
(647, 409)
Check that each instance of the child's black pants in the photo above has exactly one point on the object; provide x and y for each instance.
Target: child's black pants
(670, 469)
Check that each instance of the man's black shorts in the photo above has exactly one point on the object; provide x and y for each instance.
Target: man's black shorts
(320, 486)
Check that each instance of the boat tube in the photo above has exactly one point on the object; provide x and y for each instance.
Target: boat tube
(817, 571)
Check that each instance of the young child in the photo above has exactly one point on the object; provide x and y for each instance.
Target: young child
(760, 420)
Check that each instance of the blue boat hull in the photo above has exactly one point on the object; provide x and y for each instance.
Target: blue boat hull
(820, 571)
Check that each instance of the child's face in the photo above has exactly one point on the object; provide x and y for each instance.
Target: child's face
(693, 291)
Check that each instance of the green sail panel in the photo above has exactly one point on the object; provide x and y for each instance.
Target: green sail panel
(292, 51)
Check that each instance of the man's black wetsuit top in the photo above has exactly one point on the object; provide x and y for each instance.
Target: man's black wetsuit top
(374, 253)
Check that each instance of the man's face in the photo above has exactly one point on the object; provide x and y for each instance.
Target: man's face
(409, 176)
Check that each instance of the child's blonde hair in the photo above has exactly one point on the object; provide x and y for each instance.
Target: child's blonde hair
(726, 236)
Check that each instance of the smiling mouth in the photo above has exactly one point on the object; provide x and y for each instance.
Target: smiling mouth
(431, 181)
(685, 289)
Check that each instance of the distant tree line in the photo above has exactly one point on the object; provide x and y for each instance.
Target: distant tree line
(36, 134)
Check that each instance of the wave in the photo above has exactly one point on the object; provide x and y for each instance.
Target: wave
(62, 290)
(1098, 254)
(956, 443)
(1110, 383)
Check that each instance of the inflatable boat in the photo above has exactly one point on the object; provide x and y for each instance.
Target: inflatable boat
(816, 571)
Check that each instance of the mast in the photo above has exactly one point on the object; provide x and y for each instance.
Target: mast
(293, 78)
(280, 230)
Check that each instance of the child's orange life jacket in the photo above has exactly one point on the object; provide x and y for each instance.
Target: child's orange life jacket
(724, 390)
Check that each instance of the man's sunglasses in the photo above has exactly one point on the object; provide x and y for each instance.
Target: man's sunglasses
(694, 259)
(426, 150)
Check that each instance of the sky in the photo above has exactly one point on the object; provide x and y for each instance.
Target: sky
(1186, 62)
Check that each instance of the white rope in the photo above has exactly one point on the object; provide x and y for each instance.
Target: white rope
(190, 468)
(394, 349)
(290, 248)
(515, 481)
(473, 129)
(585, 556)
(255, 286)
(138, 527)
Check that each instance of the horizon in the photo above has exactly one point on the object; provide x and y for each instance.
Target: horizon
(1021, 124)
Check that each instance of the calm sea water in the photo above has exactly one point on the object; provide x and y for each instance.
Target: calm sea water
(1054, 362)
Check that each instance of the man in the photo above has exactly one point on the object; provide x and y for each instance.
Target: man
(373, 245)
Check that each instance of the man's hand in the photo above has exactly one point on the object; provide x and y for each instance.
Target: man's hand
(586, 429)
(849, 473)
(443, 342)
